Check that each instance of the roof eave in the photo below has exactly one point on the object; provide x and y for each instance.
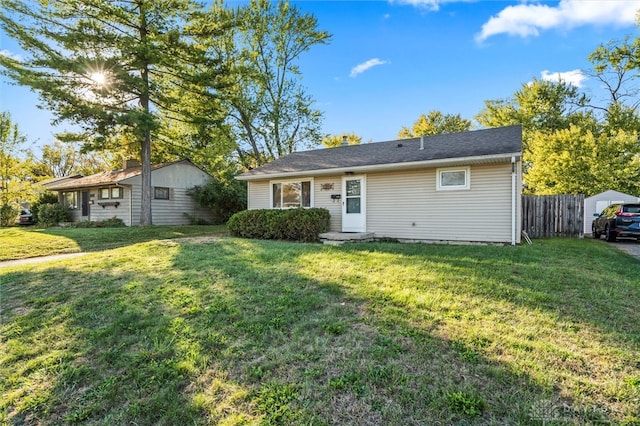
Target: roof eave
(87, 185)
(445, 162)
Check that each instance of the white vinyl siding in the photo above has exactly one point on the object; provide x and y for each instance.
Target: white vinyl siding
(179, 178)
(406, 205)
(324, 188)
(258, 195)
(98, 213)
(172, 211)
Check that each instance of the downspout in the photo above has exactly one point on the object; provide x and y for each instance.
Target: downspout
(514, 210)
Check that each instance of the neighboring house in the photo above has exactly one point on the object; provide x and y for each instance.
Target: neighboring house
(595, 204)
(58, 180)
(450, 187)
(118, 194)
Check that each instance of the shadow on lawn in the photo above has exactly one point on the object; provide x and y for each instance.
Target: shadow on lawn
(93, 239)
(234, 332)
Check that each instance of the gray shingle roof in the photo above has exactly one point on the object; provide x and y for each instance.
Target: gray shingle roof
(477, 143)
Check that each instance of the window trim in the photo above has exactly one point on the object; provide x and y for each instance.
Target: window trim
(286, 181)
(100, 190)
(467, 179)
(155, 193)
(120, 190)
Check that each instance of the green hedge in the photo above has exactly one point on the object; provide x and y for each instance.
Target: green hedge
(288, 224)
(51, 214)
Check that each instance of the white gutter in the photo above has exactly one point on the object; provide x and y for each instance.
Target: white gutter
(514, 202)
(385, 167)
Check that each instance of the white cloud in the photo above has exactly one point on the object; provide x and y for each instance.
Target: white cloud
(574, 78)
(359, 69)
(8, 54)
(526, 20)
(432, 5)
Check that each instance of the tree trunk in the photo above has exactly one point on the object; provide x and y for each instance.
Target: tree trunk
(145, 149)
(145, 156)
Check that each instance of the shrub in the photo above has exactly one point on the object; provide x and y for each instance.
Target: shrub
(51, 214)
(8, 214)
(290, 224)
(47, 197)
(224, 196)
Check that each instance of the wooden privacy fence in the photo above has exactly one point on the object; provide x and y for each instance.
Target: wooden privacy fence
(553, 215)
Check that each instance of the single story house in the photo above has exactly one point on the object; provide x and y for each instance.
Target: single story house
(462, 187)
(596, 203)
(118, 193)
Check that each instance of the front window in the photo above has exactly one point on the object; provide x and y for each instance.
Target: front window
(452, 179)
(70, 200)
(286, 195)
(116, 192)
(103, 193)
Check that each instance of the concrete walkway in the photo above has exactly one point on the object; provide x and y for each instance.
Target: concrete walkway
(41, 259)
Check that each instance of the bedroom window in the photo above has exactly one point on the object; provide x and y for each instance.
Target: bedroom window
(160, 193)
(452, 179)
(285, 195)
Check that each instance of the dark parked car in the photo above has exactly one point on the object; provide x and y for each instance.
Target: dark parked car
(25, 218)
(617, 220)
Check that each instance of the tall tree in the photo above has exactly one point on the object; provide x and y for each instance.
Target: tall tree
(579, 161)
(64, 159)
(332, 141)
(115, 68)
(270, 112)
(617, 67)
(13, 174)
(543, 106)
(436, 123)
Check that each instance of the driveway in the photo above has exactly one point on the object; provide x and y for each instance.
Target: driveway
(630, 246)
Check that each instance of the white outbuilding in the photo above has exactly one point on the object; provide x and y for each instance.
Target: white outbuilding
(595, 204)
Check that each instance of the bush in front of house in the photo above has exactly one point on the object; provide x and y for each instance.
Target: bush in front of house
(8, 214)
(51, 214)
(224, 196)
(46, 197)
(304, 225)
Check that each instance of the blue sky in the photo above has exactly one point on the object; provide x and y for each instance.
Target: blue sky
(390, 61)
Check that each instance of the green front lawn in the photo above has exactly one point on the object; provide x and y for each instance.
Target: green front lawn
(236, 332)
(20, 243)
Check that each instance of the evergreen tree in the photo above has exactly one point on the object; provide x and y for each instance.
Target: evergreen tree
(117, 69)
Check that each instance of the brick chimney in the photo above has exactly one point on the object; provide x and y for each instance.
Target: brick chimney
(130, 163)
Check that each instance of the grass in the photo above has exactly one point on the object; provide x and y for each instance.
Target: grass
(20, 243)
(240, 332)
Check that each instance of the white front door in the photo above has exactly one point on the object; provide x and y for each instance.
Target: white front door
(353, 204)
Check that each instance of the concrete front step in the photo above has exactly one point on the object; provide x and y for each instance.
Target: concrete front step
(344, 237)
